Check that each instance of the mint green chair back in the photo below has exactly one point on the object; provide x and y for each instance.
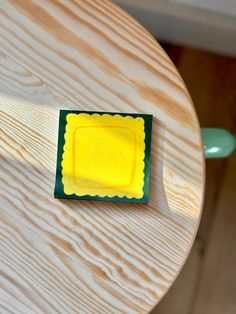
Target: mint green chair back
(218, 143)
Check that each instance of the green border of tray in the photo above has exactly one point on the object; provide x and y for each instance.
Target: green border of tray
(59, 189)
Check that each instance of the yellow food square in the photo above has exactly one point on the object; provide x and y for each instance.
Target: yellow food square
(104, 155)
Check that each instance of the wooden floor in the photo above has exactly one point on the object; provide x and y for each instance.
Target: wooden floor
(207, 283)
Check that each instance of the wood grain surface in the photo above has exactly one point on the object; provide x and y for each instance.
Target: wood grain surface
(64, 256)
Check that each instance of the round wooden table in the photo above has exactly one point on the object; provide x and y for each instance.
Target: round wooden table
(67, 256)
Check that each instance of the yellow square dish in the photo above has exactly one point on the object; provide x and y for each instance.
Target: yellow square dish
(103, 156)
